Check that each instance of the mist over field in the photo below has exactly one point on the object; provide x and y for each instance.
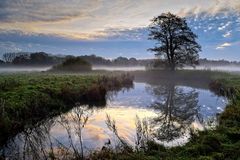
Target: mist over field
(15, 69)
(120, 68)
(119, 80)
(229, 68)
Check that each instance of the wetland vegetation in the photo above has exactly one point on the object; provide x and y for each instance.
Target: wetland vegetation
(39, 99)
(75, 108)
(28, 98)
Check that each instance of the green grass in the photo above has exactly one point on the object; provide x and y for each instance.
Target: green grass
(17, 89)
(25, 99)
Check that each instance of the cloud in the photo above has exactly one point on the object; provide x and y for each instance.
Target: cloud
(133, 34)
(44, 10)
(227, 34)
(224, 26)
(212, 7)
(110, 27)
(84, 17)
(224, 45)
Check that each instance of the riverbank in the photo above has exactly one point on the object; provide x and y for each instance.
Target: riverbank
(53, 91)
(26, 99)
(221, 142)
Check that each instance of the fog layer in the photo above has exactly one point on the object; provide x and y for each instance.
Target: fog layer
(22, 69)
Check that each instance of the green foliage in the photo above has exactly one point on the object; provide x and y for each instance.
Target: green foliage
(176, 43)
(73, 64)
(26, 99)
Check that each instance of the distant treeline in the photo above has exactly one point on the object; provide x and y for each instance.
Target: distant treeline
(45, 59)
(42, 58)
(119, 61)
(25, 58)
(207, 62)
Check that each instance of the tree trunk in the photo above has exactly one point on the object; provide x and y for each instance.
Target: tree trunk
(172, 67)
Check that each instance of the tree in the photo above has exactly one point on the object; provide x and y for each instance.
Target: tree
(177, 108)
(40, 58)
(120, 61)
(1, 62)
(8, 57)
(176, 43)
(21, 60)
(133, 61)
(74, 64)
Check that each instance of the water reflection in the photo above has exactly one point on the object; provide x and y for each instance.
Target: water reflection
(32, 143)
(170, 112)
(177, 109)
(74, 124)
(75, 134)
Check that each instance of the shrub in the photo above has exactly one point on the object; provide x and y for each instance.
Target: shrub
(73, 64)
(211, 144)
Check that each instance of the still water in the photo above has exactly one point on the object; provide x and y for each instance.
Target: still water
(169, 111)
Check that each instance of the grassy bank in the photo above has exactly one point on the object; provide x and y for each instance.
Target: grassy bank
(25, 99)
(220, 143)
(49, 94)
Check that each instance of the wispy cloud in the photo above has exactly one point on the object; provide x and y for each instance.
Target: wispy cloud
(227, 34)
(211, 7)
(83, 19)
(112, 27)
(44, 10)
(224, 45)
(224, 26)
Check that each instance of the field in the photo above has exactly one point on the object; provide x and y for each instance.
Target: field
(25, 99)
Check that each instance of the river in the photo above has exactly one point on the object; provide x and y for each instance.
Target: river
(169, 111)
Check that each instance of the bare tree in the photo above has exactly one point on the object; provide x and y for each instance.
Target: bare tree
(9, 57)
(176, 43)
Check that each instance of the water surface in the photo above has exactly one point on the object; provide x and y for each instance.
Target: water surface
(170, 112)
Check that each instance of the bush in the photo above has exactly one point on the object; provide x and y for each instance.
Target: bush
(73, 64)
(212, 142)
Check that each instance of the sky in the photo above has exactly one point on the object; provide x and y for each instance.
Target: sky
(113, 28)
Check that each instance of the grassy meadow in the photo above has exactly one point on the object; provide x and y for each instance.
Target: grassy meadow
(25, 99)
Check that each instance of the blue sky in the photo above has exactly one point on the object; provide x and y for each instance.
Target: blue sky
(114, 28)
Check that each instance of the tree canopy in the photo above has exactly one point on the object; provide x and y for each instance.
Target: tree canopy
(176, 43)
(74, 64)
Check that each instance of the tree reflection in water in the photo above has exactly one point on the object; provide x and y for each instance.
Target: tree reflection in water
(170, 117)
(178, 110)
